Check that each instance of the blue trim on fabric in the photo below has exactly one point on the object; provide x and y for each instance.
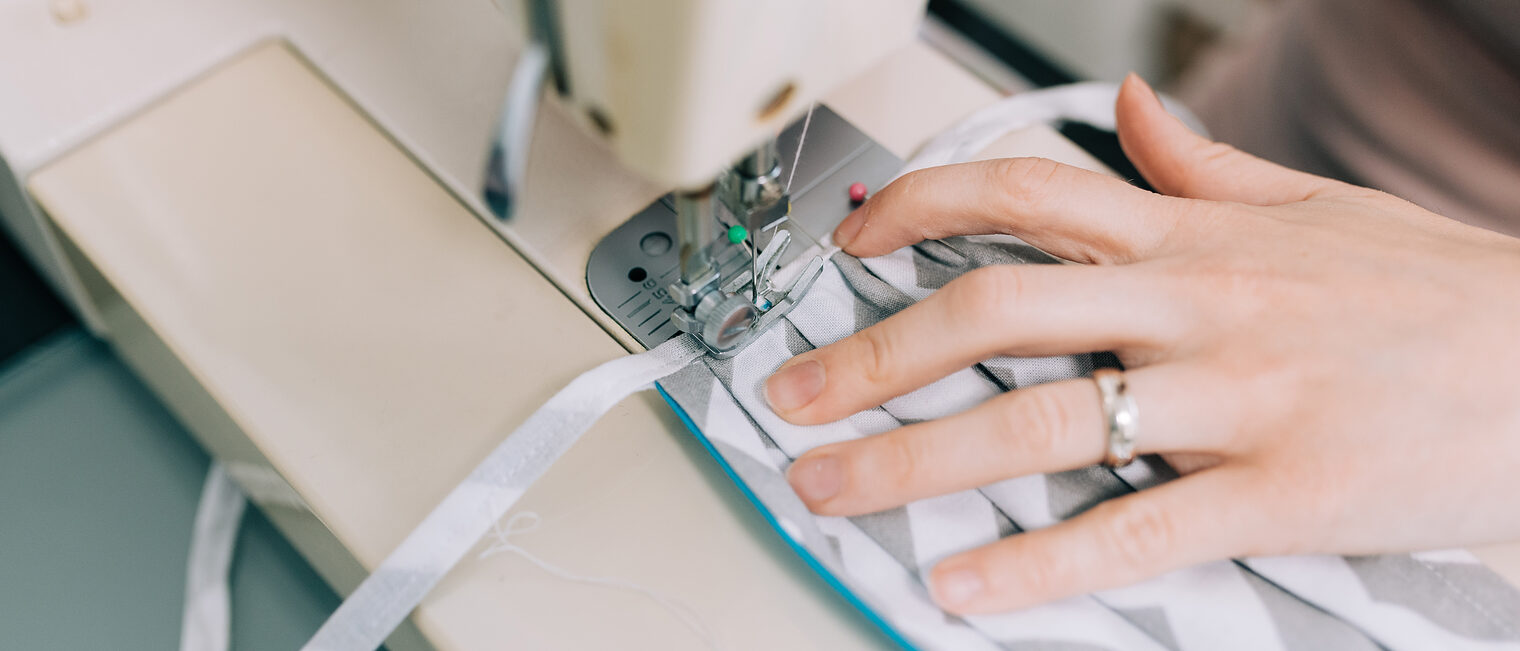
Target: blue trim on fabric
(770, 518)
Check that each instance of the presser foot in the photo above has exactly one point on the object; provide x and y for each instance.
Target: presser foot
(631, 271)
(729, 308)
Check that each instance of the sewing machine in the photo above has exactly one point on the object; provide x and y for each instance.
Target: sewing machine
(274, 212)
(693, 95)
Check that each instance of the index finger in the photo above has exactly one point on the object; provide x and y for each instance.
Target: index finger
(1067, 211)
(1022, 310)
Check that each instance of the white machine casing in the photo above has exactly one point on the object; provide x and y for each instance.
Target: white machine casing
(687, 87)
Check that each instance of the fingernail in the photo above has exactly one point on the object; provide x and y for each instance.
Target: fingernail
(957, 588)
(817, 479)
(849, 228)
(794, 386)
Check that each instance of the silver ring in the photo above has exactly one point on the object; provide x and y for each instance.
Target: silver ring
(1121, 416)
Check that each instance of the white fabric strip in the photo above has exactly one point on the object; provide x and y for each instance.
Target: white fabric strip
(390, 593)
(265, 487)
(1090, 103)
(207, 623)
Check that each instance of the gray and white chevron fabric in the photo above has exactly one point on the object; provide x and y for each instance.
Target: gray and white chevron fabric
(1434, 600)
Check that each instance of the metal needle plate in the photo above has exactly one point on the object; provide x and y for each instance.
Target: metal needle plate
(631, 267)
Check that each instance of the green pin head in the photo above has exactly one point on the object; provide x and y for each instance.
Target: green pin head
(736, 234)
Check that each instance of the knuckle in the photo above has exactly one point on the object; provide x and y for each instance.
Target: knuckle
(907, 185)
(1041, 570)
(877, 355)
(894, 203)
(1185, 223)
(1036, 422)
(1024, 181)
(899, 460)
(1210, 157)
(899, 206)
(1215, 154)
(1138, 534)
(988, 293)
(870, 209)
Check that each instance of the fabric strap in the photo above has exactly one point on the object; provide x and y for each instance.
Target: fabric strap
(207, 625)
(390, 593)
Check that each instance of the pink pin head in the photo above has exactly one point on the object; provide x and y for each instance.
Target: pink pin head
(857, 192)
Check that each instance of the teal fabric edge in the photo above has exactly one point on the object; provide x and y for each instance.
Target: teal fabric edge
(770, 519)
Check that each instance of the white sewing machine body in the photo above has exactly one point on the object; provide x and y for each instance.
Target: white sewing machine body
(272, 209)
(681, 89)
(693, 95)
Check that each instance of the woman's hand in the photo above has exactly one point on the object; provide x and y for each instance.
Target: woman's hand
(1339, 369)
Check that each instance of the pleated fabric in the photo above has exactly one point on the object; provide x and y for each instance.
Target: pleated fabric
(1445, 600)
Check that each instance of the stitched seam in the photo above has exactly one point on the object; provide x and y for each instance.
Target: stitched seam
(1467, 597)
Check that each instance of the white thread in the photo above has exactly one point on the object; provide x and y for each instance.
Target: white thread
(800, 139)
(1091, 103)
(528, 521)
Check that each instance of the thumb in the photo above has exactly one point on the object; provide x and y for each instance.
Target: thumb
(1181, 163)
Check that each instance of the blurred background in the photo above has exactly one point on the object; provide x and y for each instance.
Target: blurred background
(1102, 40)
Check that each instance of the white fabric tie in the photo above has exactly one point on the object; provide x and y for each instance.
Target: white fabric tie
(207, 623)
(390, 593)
